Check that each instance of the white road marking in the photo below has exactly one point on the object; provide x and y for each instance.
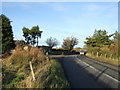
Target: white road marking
(99, 71)
(100, 62)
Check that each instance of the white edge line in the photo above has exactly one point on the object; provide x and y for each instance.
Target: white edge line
(99, 71)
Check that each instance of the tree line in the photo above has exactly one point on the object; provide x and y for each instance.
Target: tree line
(102, 43)
(99, 42)
(31, 37)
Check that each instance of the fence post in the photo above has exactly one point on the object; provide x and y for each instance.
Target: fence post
(91, 53)
(33, 75)
(111, 56)
(46, 53)
(105, 55)
(97, 54)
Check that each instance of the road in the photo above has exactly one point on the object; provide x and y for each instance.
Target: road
(84, 72)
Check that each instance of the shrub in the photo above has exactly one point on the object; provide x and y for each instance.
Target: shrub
(20, 43)
(48, 75)
(22, 57)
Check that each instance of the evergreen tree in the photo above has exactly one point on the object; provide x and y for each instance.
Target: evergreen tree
(35, 34)
(7, 34)
(99, 39)
(31, 35)
(26, 34)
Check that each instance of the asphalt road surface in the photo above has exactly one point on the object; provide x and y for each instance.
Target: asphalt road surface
(84, 72)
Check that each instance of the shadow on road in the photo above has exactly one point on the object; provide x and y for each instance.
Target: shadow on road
(76, 75)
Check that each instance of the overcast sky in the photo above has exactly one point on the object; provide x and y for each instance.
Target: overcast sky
(62, 19)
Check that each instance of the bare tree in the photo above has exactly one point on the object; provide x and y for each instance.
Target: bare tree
(69, 43)
(51, 42)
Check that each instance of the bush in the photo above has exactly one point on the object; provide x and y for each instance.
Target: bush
(105, 51)
(93, 50)
(19, 63)
(17, 73)
(22, 57)
(20, 43)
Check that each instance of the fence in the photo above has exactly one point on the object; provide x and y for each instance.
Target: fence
(105, 55)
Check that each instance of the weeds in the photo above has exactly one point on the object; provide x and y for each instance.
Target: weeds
(17, 74)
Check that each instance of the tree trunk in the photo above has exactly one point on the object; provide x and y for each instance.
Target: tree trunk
(37, 41)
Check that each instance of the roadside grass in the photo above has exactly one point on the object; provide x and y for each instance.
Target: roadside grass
(16, 71)
(52, 76)
(106, 60)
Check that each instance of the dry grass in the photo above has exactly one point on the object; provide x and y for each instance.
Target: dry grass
(19, 62)
(17, 65)
(22, 57)
(106, 60)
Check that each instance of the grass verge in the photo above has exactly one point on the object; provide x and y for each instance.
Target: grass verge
(16, 71)
(53, 77)
(106, 60)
